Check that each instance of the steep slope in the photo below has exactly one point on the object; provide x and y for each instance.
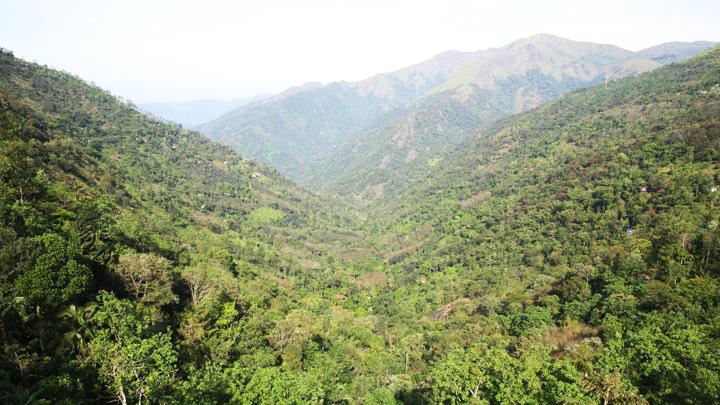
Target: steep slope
(196, 112)
(505, 81)
(292, 129)
(116, 227)
(670, 52)
(157, 166)
(588, 226)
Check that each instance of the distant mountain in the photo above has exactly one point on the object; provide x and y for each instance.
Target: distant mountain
(303, 124)
(362, 137)
(675, 51)
(515, 78)
(195, 112)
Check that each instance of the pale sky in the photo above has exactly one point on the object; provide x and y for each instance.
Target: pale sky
(182, 50)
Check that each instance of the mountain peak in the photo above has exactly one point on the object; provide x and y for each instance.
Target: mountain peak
(545, 37)
(554, 43)
(540, 39)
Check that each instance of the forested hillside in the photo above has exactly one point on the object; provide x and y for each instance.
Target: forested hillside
(504, 81)
(564, 255)
(125, 237)
(574, 247)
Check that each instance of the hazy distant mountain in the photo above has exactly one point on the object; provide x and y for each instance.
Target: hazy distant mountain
(191, 113)
(675, 51)
(360, 137)
(305, 123)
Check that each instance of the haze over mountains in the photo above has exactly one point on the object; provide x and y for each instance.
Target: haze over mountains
(195, 112)
(359, 138)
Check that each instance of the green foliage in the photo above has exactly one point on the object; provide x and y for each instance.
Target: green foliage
(271, 386)
(134, 363)
(484, 374)
(566, 255)
(146, 277)
(56, 277)
(265, 215)
(95, 195)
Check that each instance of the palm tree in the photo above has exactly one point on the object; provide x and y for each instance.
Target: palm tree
(76, 319)
(19, 395)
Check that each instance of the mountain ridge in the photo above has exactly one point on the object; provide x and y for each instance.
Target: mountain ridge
(313, 134)
(669, 52)
(519, 76)
(331, 112)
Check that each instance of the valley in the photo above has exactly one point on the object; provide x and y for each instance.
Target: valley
(536, 223)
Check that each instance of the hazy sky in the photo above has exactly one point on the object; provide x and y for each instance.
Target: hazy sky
(179, 50)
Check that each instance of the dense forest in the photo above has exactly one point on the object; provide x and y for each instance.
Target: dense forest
(569, 254)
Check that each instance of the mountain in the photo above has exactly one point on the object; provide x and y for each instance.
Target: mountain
(675, 51)
(302, 124)
(504, 81)
(141, 168)
(195, 112)
(360, 138)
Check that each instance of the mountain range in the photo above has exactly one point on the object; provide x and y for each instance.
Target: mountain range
(362, 137)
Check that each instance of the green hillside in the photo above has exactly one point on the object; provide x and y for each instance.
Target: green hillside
(585, 233)
(568, 254)
(105, 212)
(520, 76)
